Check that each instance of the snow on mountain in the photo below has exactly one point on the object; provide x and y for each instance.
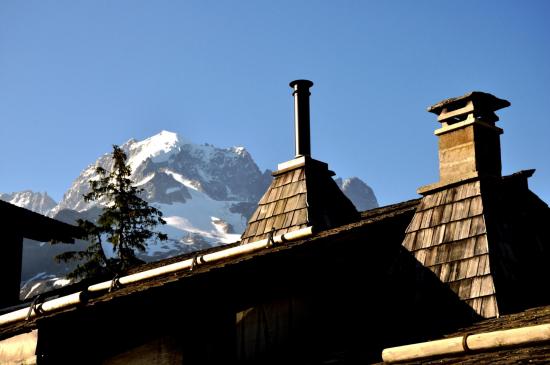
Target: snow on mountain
(206, 194)
(37, 202)
(158, 148)
(360, 194)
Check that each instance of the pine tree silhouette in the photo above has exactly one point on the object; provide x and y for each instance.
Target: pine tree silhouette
(126, 222)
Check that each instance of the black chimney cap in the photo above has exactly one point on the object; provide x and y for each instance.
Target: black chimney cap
(305, 83)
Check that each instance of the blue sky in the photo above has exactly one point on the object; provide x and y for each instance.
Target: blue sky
(79, 76)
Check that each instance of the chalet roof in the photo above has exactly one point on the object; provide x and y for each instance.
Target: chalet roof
(25, 223)
(393, 216)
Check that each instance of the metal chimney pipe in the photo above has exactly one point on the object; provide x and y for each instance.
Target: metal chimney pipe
(301, 116)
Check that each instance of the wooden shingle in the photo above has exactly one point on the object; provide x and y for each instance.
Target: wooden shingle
(300, 195)
(448, 235)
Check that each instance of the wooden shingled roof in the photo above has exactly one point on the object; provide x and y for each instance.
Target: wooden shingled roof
(448, 235)
(301, 195)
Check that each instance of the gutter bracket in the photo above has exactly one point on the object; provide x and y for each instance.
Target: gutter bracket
(36, 306)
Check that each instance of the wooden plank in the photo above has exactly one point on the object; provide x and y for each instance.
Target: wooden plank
(419, 240)
(455, 286)
(476, 206)
(302, 174)
(270, 209)
(429, 260)
(288, 219)
(436, 270)
(427, 202)
(471, 269)
(408, 241)
(443, 253)
(469, 250)
(447, 211)
(437, 215)
(440, 198)
(483, 267)
(489, 307)
(261, 227)
(426, 219)
(487, 285)
(457, 270)
(301, 187)
(438, 234)
(302, 201)
(252, 228)
(271, 195)
(279, 221)
(457, 251)
(297, 187)
(254, 216)
(445, 272)
(291, 203)
(420, 255)
(287, 177)
(300, 217)
(460, 210)
(269, 224)
(462, 192)
(296, 175)
(278, 181)
(465, 288)
(481, 246)
(449, 234)
(286, 191)
(279, 207)
(263, 212)
(477, 226)
(476, 287)
(464, 229)
(415, 222)
(450, 196)
(263, 200)
(475, 304)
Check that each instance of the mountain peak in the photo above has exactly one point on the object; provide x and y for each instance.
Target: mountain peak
(158, 148)
(37, 202)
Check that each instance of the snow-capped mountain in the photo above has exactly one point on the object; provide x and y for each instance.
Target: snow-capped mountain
(206, 194)
(38, 202)
(360, 194)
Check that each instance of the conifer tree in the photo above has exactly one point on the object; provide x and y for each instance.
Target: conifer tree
(126, 222)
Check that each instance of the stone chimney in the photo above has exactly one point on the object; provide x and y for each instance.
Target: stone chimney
(303, 193)
(469, 140)
(481, 234)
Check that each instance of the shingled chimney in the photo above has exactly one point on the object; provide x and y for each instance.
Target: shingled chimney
(470, 228)
(303, 193)
(469, 140)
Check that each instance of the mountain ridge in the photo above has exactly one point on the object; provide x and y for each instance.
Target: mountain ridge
(206, 194)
